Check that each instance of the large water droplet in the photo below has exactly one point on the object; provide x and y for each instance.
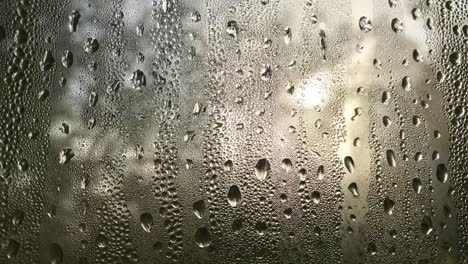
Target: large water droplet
(146, 221)
(287, 165)
(55, 254)
(442, 173)
(91, 45)
(391, 158)
(365, 24)
(417, 185)
(67, 59)
(426, 225)
(388, 204)
(349, 164)
(353, 189)
(12, 248)
(73, 19)
(262, 169)
(234, 195)
(203, 237)
(199, 208)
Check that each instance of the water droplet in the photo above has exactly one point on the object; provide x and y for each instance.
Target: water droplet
(146, 221)
(353, 189)
(265, 73)
(365, 24)
(262, 169)
(65, 156)
(20, 36)
(55, 254)
(320, 173)
(442, 173)
(388, 204)
(417, 185)
(228, 165)
(138, 79)
(397, 25)
(287, 165)
(385, 97)
(287, 213)
(202, 237)
(189, 135)
(73, 19)
(140, 29)
(261, 227)
(455, 58)
(23, 165)
(199, 208)
(92, 99)
(391, 158)
(349, 164)
(67, 59)
(232, 28)
(302, 174)
(91, 45)
(416, 12)
(47, 61)
(195, 16)
(196, 108)
(287, 35)
(234, 196)
(426, 225)
(102, 241)
(12, 248)
(417, 56)
(406, 83)
(316, 197)
(18, 217)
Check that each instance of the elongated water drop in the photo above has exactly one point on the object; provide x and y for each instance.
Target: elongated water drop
(146, 221)
(234, 195)
(262, 169)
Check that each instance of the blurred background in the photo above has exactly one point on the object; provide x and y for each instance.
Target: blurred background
(221, 131)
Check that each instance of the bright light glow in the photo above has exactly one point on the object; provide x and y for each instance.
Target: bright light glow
(313, 91)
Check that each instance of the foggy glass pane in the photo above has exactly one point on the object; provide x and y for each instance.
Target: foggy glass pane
(233, 131)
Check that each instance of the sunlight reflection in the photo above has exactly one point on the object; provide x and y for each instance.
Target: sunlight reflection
(313, 91)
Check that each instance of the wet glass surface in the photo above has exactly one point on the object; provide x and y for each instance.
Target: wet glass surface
(249, 131)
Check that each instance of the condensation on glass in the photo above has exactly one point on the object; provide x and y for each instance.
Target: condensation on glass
(249, 131)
